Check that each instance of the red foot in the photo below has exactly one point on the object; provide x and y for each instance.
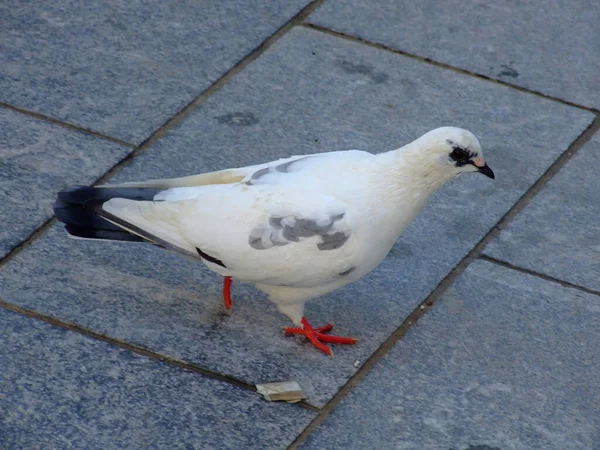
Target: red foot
(227, 293)
(317, 336)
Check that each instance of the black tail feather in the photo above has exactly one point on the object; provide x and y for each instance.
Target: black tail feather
(80, 194)
(80, 216)
(75, 207)
(97, 233)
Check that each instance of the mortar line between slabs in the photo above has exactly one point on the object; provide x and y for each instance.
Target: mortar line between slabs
(543, 276)
(67, 125)
(138, 350)
(441, 288)
(297, 19)
(349, 37)
(169, 124)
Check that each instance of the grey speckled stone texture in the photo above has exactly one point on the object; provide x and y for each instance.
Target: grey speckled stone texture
(558, 232)
(548, 46)
(124, 67)
(59, 389)
(36, 160)
(310, 92)
(505, 361)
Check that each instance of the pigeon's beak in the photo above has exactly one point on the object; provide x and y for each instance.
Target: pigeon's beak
(483, 168)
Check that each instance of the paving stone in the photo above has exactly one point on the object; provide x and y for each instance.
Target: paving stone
(125, 67)
(59, 389)
(310, 92)
(547, 46)
(558, 233)
(37, 159)
(504, 361)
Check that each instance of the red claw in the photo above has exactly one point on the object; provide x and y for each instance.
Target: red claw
(317, 336)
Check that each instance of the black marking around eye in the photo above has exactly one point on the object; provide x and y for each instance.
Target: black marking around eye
(462, 156)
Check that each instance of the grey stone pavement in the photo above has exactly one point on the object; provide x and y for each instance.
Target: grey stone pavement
(480, 331)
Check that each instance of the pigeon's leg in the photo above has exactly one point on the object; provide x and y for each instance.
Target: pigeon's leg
(227, 293)
(317, 336)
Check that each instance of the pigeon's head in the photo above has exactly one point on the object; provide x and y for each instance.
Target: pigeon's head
(456, 150)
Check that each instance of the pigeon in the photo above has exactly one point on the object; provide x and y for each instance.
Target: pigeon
(297, 228)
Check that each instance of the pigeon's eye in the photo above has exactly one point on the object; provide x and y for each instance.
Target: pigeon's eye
(461, 156)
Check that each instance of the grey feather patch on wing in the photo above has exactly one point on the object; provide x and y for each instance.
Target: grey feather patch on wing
(275, 222)
(285, 230)
(256, 175)
(284, 168)
(256, 242)
(333, 241)
(264, 237)
(281, 168)
(347, 272)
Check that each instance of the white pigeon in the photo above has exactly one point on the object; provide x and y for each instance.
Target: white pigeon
(297, 228)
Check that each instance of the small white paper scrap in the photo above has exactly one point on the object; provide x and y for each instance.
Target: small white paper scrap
(287, 391)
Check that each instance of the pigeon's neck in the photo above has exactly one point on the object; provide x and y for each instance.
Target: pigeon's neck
(405, 182)
(410, 171)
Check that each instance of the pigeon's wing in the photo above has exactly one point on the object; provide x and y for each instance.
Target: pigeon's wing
(271, 233)
(273, 172)
(276, 223)
(226, 176)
